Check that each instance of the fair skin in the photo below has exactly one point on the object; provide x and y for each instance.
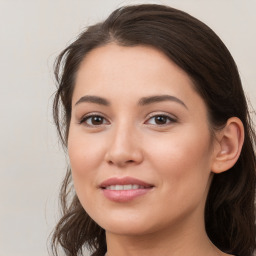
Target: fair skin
(165, 141)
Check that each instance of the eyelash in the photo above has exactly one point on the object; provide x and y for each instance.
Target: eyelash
(90, 116)
(170, 119)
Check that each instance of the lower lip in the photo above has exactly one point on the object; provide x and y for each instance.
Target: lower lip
(124, 195)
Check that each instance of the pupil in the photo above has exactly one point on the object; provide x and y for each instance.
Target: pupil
(160, 120)
(96, 120)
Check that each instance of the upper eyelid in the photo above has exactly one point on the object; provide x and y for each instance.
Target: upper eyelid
(160, 113)
(94, 114)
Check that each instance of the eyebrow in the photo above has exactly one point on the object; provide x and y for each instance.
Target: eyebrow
(159, 98)
(93, 99)
(142, 102)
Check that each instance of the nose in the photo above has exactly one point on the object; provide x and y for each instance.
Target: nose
(124, 147)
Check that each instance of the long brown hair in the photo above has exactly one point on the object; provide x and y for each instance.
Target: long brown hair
(195, 48)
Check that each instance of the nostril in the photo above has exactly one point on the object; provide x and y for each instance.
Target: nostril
(110, 162)
(123, 157)
(121, 163)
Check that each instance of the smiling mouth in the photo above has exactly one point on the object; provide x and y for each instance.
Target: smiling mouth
(124, 183)
(125, 187)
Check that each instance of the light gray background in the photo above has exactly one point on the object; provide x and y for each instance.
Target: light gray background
(32, 164)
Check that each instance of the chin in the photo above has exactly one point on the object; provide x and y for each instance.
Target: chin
(125, 224)
(129, 229)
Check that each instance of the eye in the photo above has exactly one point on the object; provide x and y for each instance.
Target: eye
(94, 120)
(160, 120)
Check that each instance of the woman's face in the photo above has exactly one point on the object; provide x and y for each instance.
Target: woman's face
(139, 142)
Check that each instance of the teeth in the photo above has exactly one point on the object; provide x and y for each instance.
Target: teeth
(123, 187)
(127, 187)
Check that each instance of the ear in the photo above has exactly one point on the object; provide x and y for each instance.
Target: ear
(228, 145)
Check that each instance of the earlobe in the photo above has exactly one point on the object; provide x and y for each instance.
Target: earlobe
(228, 146)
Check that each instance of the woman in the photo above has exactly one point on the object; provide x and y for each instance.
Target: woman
(159, 139)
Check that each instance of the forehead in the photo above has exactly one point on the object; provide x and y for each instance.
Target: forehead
(110, 59)
(112, 70)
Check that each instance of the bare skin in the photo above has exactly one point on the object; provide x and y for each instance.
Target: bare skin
(136, 114)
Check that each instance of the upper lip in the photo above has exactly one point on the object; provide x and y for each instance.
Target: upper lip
(124, 181)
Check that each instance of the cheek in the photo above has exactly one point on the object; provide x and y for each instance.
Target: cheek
(183, 158)
(183, 166)
(85, 154)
